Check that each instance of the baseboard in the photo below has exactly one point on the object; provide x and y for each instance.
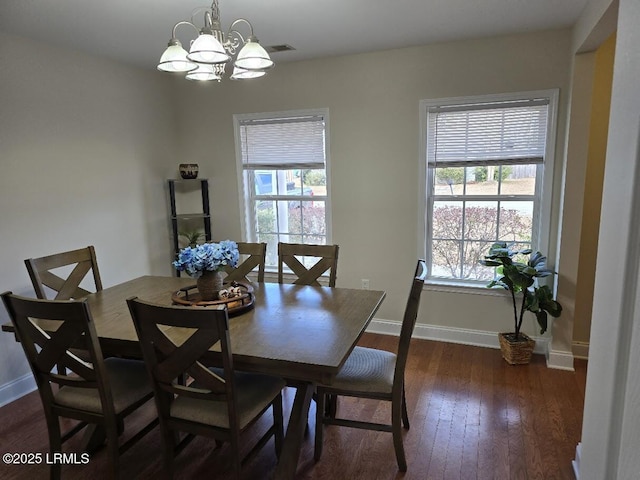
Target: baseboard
(17, 388)
(560, 360)
(580, 350)
(576, 463)
(478, 338)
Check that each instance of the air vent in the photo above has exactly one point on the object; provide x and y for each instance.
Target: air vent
(279, 48)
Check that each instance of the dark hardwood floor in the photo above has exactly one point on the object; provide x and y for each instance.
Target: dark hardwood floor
(472, 417)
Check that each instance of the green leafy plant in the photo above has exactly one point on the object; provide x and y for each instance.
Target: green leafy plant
(521, 278)
(481, 173)
(450, 175)
(192, 237)
(314, 177)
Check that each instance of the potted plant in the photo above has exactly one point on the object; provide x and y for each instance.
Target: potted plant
(521, 278)
(192, 237)
(206, 263)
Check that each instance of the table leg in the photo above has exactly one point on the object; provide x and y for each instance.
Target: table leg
(93, 438)
(288, 461)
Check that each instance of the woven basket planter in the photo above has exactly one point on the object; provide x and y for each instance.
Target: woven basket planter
(516, 353)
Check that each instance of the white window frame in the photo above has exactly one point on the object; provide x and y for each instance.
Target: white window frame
(246, 193)
(544, 180)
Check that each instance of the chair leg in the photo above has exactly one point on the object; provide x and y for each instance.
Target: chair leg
(235, 454)
(320, 406)
(396, 428)
(331, 406)
(169, 441)
(55, 445)
(278, 424)
(405, 416)
(112, 447)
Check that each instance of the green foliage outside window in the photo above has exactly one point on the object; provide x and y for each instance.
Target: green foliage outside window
(314, 177)
(481, 173)
(455, 175)
(450, 175)
(266, 220)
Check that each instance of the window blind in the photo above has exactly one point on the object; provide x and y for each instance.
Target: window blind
(504, 133)
(296, 142)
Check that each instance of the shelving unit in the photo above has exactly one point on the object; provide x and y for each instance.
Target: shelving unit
(198, 219)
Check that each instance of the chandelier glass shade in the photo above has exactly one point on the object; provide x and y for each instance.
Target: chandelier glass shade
(174, 59)
(205, 73)
(207, 49)
(212, 50)
(241, 73)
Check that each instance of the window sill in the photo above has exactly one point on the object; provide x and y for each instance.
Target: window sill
(451, 286)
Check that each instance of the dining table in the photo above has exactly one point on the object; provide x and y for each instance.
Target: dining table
(298, 332)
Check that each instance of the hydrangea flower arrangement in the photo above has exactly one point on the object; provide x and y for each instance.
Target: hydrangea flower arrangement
(208, 257)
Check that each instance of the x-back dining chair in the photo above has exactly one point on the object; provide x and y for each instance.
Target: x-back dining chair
(254, 255)
(83, 259)
(376, 374)
(327, 256)
(218, 402)
(98, 391)
(80, 261)
(327, 261)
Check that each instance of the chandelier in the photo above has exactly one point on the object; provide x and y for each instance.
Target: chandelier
(212, 50)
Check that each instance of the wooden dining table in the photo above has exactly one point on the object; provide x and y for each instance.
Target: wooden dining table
(301, 333)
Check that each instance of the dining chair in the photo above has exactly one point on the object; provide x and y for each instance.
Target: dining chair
(215, 402)
(83, 261)
(41, 273)
(376, 374)
(327, 261)
(254, 255)
(99, 392)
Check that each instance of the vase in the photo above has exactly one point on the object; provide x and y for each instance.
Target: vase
(516, 352)
(209, 284)
(189, 171)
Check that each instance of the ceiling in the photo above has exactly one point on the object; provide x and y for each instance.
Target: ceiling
(137, 31)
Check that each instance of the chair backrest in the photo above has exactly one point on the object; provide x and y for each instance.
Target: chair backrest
(168, 360)
(41, 275)
(46, 350)
(327, 261)
(409, 321)
(255, 254)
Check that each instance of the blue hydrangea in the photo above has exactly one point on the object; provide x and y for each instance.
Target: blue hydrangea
(207, 257)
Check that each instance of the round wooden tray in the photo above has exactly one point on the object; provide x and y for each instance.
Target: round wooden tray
(190, 296)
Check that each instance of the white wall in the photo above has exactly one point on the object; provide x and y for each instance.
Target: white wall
(86, 144)
(573, 188)
(84, 147)
(374, 139)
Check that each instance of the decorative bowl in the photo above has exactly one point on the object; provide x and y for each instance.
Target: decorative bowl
(189, 171)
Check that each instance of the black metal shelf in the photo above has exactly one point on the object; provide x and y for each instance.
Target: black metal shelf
(204, 215)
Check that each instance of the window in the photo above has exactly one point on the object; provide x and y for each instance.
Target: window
(488, 162)
(284, 178)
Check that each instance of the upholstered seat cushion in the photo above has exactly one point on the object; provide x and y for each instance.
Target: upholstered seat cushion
(128, 380)
(366, 370)
(253, 393)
